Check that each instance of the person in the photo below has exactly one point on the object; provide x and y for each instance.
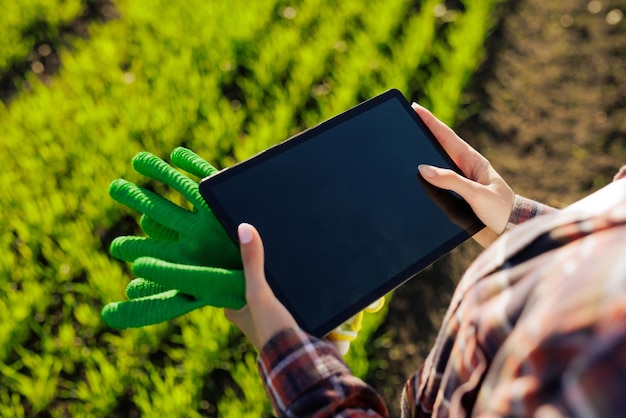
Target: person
(536, 326)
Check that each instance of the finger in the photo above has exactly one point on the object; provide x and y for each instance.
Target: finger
(481, 198)
(450, 180)
(155, 230)
(457, 148)
(148, 310)
(152, 166)
(252, 256)
(146, 202)
(130, 248)
(485, 237)
(216, 238)
(191, 162)
(215, 286)
(268, 314)
(140, 288)
(215, 251)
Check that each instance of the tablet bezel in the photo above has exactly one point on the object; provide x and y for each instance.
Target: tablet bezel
(385, 286)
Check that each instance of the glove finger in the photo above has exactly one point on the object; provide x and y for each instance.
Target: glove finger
(155, 230)
(130, 248)
(148, 310)
(191, 162)
(140, 288)
(146, 202)
(215, 286)
(152, 166)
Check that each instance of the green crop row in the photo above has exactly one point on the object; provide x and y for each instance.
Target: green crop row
(24, 23)
(226, 79)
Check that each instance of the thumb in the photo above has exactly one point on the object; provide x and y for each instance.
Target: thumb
(252, 256)
(268, 315)
(449, 180)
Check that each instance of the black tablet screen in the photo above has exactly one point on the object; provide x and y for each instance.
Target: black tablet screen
(343, 214)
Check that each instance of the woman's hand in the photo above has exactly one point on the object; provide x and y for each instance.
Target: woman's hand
(484, 189)
(263, 316)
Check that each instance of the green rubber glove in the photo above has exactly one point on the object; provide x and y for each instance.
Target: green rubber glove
(187, 261)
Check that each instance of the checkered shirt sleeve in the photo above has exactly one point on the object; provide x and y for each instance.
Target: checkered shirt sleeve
(525, 209)
(306, 377)
(537, 325)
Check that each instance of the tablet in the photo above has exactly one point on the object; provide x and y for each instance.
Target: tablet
(342, 211)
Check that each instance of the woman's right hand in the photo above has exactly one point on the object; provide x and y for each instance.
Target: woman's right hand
(483, 188)
(263, 316)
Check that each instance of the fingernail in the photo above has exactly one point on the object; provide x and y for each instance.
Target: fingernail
(245, 233)
(414, 105)
(427, 170)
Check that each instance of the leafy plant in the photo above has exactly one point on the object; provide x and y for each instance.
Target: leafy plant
(224, 84)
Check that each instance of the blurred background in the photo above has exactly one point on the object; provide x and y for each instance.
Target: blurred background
(536, 85)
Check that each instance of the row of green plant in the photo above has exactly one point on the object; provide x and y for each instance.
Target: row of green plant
(23, 24)
(226, 79)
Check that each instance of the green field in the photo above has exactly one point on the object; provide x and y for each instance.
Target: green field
(226, 79)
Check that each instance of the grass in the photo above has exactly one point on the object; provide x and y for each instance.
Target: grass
(226, 79)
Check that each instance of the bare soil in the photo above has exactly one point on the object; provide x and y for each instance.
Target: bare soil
(548, 109)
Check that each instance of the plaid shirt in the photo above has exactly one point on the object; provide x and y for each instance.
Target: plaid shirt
(537, 325)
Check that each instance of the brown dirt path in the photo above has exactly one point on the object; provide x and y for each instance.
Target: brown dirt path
(548, 109)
